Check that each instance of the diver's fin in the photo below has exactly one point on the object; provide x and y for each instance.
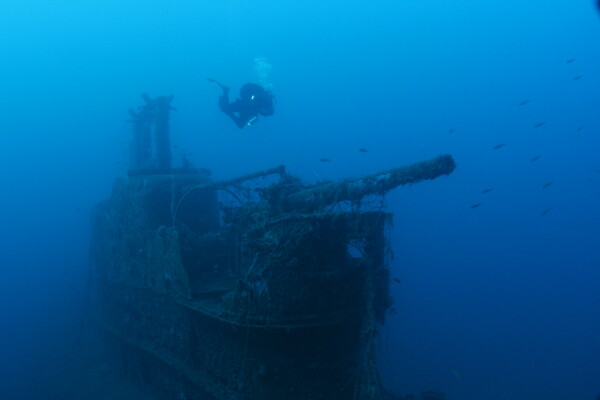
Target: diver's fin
(225, 88)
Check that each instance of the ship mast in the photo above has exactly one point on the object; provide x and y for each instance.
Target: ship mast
(151, 122)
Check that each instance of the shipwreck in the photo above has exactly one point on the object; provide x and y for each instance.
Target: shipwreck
(260, 287)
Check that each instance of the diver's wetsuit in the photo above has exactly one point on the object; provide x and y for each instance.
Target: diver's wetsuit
(254, 100)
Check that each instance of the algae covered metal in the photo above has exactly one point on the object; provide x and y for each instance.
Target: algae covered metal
(260, 287)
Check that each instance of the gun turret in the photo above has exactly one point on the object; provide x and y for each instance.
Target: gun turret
(290, 195)
(354, 189)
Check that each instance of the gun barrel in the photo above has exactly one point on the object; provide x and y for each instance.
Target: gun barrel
(353, 189)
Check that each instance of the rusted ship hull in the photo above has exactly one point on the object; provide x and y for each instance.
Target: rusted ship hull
(242, 289)
(239, 303)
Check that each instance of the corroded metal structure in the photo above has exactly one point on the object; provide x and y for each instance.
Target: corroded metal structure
(233, 290)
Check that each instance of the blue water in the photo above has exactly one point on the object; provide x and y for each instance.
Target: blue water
(494, 302)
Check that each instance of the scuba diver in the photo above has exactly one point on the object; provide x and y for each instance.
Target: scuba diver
(254, 100)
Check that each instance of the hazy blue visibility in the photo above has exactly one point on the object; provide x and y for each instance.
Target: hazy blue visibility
(494, 302)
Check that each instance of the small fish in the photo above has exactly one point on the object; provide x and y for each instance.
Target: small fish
(598, 171)
(476, 205)
(363, 150)
(397, 280)
(523, 102)
(540, 124)
(545, 212)
(535, 158)
(546, 185)
(588, 180)
(451, 131)
(455, 373)
(570, 60)
(579, 129)
(324, 159)
(498, 146)
(578, 77)
(484, 191)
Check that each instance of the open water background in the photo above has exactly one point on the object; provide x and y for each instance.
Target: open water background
(494, 302)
